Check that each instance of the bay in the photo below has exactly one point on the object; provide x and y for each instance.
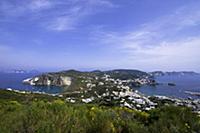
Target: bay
(182, 83)
(14, 81)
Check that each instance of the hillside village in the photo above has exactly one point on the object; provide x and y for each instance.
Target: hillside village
(108, 88)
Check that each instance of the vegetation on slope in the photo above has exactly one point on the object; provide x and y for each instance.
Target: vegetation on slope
(42, 113)
(125, 74)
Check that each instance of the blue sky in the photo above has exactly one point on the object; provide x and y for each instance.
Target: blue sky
(100, 34)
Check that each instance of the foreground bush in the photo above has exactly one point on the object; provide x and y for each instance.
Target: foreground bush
(56, 116)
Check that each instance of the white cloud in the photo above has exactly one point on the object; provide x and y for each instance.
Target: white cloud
(166, 28)
(165, 42)
(11, 10)
(75, 12)
(53, 15)
(182, 54)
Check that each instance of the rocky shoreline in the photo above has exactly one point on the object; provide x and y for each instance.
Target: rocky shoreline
(129, 99)
(109, 88)
(49, 80)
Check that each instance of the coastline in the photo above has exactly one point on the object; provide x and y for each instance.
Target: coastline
(141, 101)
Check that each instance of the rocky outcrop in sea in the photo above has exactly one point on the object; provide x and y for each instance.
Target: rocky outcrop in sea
(49, 80)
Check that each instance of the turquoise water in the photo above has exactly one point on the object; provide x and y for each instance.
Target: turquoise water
(14, 81)
(183, 83)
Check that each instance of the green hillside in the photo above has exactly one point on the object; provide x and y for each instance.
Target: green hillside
(30, 113)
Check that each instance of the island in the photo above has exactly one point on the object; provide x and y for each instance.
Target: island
(96, 101)
(113, 87)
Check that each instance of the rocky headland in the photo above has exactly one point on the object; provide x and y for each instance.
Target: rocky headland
(109, 88)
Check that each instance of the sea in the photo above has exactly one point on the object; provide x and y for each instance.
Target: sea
(14, 81)
(182, 83)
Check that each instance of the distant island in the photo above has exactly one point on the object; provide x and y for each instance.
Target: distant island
(20, 71)
(114, 87)
(181, 73)
(131, 77)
